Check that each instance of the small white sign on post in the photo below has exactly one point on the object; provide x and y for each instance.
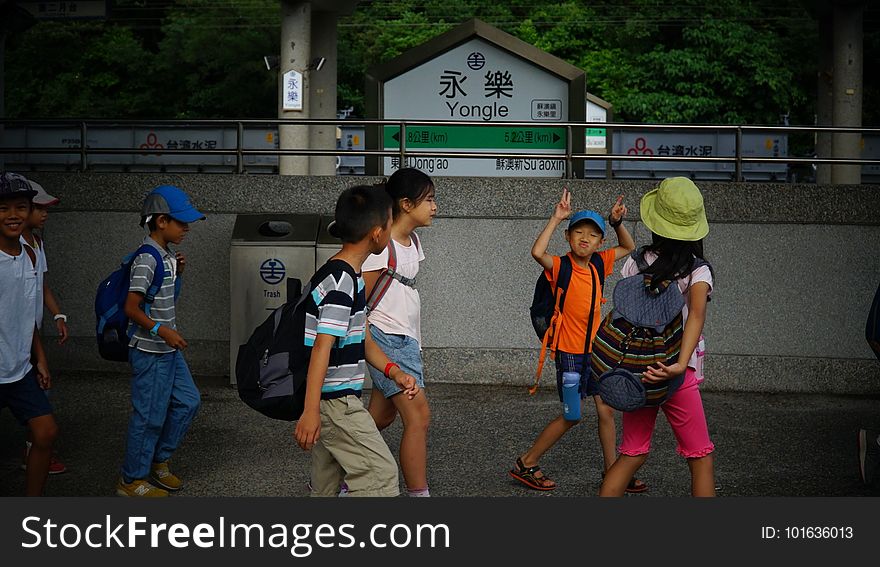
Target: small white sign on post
(293, 91)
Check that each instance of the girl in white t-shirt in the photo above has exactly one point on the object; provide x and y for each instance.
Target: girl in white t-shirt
(675, 215)
(395, 322)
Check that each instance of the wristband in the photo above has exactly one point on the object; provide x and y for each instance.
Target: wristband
(155, 330)
(614, 224)
(61, 316)
(388, 368)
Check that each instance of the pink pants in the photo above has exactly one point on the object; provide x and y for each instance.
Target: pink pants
(684, 412)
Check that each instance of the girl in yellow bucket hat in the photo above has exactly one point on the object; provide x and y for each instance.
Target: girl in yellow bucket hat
(675, 215)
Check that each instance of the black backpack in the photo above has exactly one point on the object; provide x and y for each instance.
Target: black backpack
(271, 368)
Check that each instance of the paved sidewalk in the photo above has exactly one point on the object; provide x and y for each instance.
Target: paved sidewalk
(766, 445)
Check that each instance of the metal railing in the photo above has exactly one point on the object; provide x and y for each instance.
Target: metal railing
(240, 151)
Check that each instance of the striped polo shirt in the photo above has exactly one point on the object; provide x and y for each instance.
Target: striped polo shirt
(162, 308)
(337, 307)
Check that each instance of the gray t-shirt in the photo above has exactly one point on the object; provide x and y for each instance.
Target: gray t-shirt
(162, 308)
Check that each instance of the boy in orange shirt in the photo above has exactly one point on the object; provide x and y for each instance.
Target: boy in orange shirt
(585, 235)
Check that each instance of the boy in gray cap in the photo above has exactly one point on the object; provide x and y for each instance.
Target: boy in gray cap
(163, 395)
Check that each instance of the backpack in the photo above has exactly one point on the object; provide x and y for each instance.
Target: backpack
(271, 367)
(390, 273)
(645, 327)
(112, 323)
(548, 302)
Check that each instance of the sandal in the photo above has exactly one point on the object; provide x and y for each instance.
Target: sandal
(529, 476)
(635, 485)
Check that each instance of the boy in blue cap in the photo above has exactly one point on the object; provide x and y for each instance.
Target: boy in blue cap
(164, 397)
(576, 325)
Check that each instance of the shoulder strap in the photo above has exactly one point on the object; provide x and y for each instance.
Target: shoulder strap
(158, 273)
(595, 276)
(415, 239)
(563, 278)
(384, 280)
(599, 263)
(31, 254)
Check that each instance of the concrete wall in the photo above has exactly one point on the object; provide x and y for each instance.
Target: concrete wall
(796, 269)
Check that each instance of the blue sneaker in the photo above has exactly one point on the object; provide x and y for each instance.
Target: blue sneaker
(869, 455)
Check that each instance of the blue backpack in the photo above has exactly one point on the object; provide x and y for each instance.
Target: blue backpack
(112, 323)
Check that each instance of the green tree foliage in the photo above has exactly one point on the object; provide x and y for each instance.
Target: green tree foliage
(692, 61)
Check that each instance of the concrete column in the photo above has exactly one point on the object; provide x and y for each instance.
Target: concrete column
(322, 91)
(824, 96)
(847, 87)
(296, 26)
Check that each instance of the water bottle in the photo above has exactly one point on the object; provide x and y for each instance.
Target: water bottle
(571, 396)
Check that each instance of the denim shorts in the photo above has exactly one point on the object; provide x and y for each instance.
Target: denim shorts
(404, 351)
(25, 398)
(566, 362)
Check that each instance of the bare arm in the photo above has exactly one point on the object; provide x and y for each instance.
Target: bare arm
(370, 279)
(308, 427)
(561, 212)
(377, 358)
(625, 242)
(54, 309)
(134, 312)
(44, 379)
(698, 297)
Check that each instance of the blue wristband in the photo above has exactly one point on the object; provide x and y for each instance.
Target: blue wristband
(155, 330)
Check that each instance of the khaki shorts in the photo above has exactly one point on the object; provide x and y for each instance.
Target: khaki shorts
(350, 448)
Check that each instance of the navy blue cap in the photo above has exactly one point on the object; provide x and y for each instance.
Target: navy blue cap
(590, 216)
(15, 185)
(172, 201)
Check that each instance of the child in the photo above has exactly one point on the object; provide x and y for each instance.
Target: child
(20, 379)
(37, 221)
(675, 215)
(585, 235)
(335, 426)
(163, 395)
(395, 322)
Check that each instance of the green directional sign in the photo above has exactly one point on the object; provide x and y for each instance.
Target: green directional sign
(595, 132)
(477, 137)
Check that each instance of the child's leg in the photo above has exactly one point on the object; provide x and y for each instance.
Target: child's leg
(684, 411)
(607, 431)
(548, 437)
(44, 430)
(702, 476)
(619, 475)
(386, 402)
(184, 403)
(381, 409)
(350, 436)
(150, 395)
(326, 473)
(414, 442)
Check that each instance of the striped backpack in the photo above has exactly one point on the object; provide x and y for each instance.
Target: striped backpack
(644, 328)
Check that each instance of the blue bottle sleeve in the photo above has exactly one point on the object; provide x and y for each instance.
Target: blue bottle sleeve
(571, 397)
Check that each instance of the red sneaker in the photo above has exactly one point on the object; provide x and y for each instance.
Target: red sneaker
(55, 464)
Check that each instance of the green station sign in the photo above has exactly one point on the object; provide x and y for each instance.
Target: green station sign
(477, 137)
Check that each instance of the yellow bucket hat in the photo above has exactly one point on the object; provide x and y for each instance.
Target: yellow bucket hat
(675, 210)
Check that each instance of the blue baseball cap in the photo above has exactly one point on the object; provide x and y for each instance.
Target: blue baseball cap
(172, 201)
(592, 216)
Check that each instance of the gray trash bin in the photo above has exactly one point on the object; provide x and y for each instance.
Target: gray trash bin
(327, 245)
(267, 253)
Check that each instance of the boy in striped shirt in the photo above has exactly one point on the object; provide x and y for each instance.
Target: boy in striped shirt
(164, 397)
(335, 426)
